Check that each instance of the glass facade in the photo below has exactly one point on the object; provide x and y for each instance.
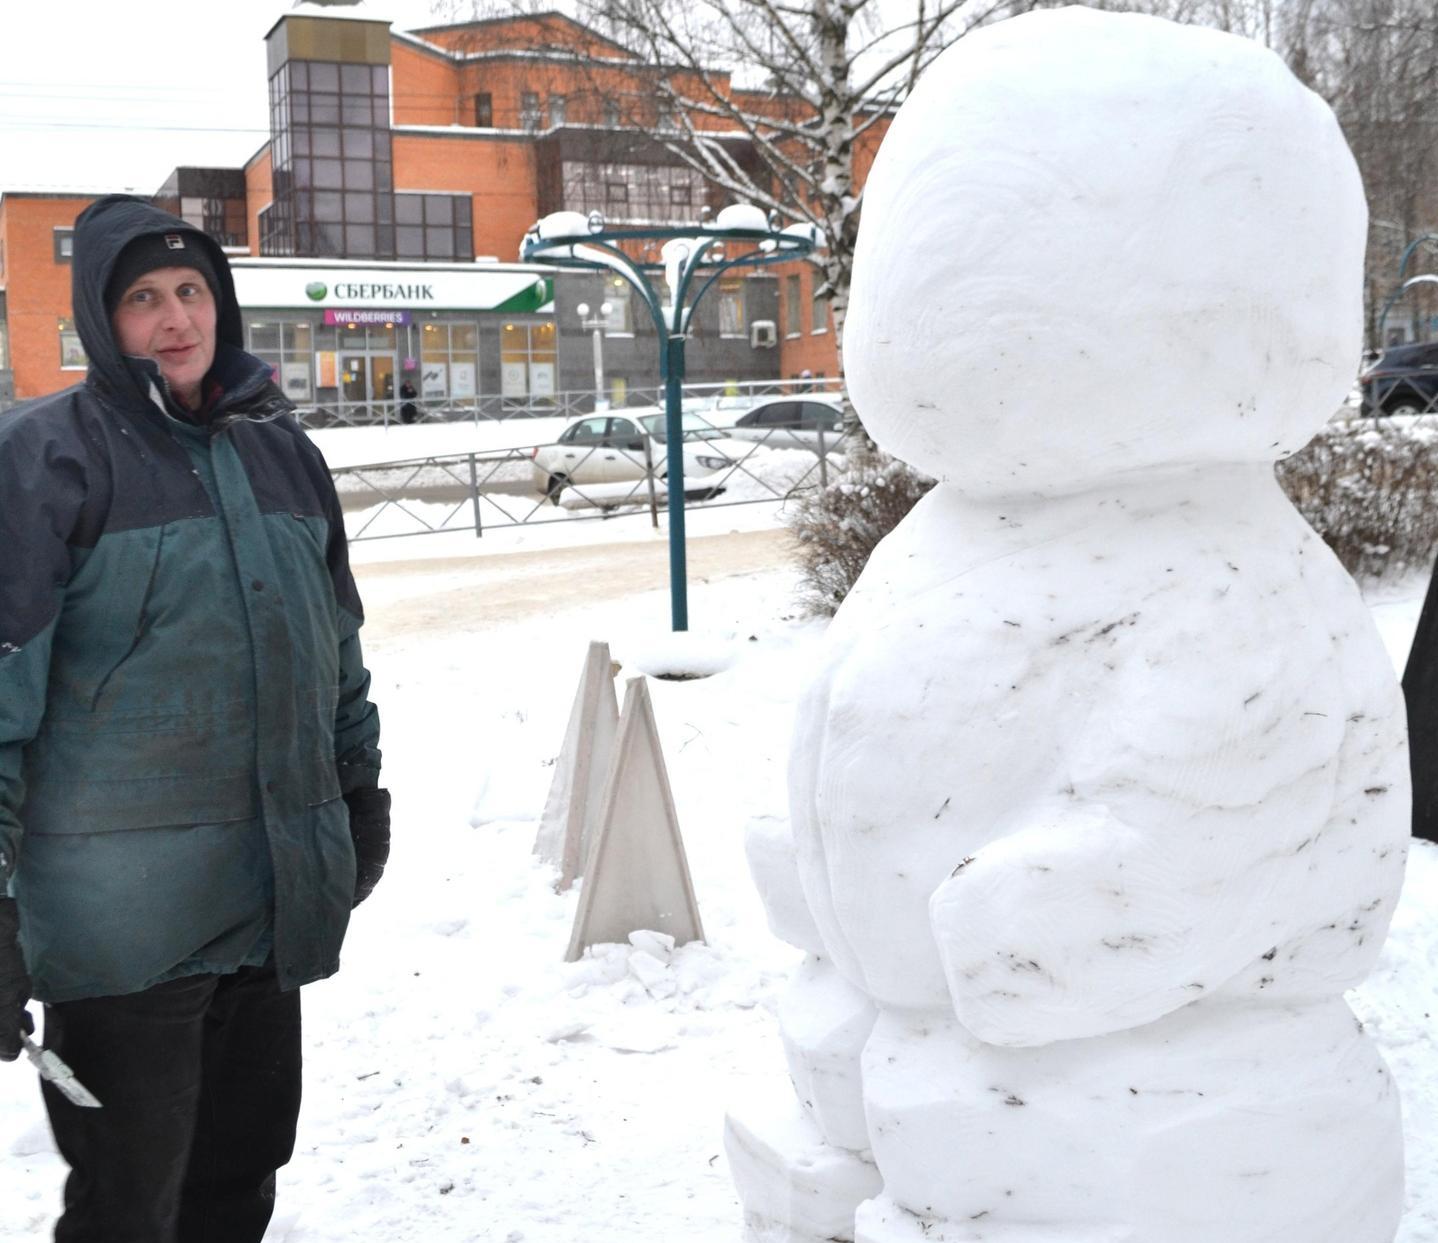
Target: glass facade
(360, 368)
(210, 199)
(528, 363)
(287, 345)
(333, 175)
(434, 226)
(654, 193)
(449, 361)
(222, 219)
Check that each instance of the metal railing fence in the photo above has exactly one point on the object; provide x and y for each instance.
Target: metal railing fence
(491, 489)
(726, 395)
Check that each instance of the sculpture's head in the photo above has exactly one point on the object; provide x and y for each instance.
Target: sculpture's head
(1095, 243)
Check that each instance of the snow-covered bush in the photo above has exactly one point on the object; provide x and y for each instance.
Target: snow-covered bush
(1369, 487)
(837, 527)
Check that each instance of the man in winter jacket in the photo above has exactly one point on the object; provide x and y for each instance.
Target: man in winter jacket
(189, 770)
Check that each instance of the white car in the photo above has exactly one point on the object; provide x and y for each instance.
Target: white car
(807, 422)
(612, 448)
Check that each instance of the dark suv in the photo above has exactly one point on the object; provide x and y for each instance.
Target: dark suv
(1402, 380)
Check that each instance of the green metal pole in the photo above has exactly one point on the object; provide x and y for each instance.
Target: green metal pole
(674, 438)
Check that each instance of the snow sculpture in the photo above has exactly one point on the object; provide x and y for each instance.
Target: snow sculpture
(1100, 798)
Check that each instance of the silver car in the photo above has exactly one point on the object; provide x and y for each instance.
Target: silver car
(617, 448)
(814, 422)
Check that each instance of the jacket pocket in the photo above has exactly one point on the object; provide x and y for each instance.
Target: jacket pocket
(104, 617)
(140, 621)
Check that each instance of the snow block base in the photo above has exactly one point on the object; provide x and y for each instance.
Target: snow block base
(1222, 1123)
(825, 1022)
(794, 1187)
(882, 1221)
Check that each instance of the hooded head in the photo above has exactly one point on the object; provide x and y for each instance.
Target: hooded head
(117, 239)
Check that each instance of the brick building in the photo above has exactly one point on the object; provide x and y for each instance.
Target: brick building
(375, 234)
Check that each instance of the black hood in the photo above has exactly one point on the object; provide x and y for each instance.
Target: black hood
(102, 231)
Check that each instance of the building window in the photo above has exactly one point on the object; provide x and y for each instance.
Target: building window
(731, 306)
(449, 361)
(611, 112)
(556, 109)
(484, 110)
(527, 363)
(818, 307)
(793, 305)
(64, 245)
(434, 226)
(647, 193)
(619, 320)
(288, 347)
(72, 353)
(529, 110)
(4, 346)
(223, 219)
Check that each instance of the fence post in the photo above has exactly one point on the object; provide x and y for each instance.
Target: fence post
(474, 496)
(649, 479)
(823, 458)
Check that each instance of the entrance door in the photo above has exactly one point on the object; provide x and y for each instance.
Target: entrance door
(381, 386)
(367, 390)
(354, 381)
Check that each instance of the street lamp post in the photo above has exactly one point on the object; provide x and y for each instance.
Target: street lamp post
(688, 255)
(601, 318)
(1405, 283)
(1425, 278)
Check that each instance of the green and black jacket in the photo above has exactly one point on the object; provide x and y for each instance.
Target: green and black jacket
(182, 695)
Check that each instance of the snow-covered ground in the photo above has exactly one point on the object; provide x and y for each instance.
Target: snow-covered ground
(464, 1084)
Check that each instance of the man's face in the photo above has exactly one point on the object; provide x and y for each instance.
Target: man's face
(169, 315)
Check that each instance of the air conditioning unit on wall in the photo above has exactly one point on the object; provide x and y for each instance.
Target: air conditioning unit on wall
(763, 334)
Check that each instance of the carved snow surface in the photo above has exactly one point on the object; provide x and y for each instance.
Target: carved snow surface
(825, 1022)
(1100, 794)
(769, 848)
(795, 1187)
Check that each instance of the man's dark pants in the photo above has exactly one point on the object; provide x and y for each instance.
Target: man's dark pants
(199, 1080)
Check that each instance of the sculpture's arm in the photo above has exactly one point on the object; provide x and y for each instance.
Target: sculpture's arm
(1077, 925)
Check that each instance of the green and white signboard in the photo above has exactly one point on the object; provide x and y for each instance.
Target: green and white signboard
(510, 289)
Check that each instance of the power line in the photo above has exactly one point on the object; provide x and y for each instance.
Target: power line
(24, 123)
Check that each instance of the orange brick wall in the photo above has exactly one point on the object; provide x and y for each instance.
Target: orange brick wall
(37, 293)
(259, 193)
(547, 32)
(811, 351)
(424, 90)
(498, 174)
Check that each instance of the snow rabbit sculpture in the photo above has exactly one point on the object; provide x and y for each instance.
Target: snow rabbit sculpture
(1100, 796)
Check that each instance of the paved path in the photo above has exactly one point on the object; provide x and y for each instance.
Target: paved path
(473, 593)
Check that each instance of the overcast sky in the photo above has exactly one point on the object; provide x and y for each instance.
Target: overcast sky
(113, 94)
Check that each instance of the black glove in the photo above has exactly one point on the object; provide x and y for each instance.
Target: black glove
(369, 828)
(15, 1021)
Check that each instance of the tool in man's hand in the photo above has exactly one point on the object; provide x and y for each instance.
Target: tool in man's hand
(52, 1067)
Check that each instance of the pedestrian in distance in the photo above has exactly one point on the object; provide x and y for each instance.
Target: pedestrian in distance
(189, 763)
(408, 412)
